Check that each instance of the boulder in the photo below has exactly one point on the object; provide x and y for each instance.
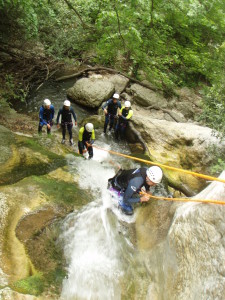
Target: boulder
(120, 82)
(183, 145)
(146, 97)
(185, 256)
(91, 92)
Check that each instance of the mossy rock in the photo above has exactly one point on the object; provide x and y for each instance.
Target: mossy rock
(33, 285)
(96, 120)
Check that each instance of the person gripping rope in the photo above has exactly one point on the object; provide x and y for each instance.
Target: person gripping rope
(46, 115)
(86, 139)
(67, 114)
(131, 182)
(110, 109)
(125, 115)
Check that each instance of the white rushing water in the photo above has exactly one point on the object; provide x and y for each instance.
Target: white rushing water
(95, 249)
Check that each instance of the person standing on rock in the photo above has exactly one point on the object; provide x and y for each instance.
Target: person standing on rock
(125, 115)
(46, 115)
(86, 139)
(129, 184)
(67, 114)
(110, 109)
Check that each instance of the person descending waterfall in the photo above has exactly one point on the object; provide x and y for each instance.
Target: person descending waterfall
(66, 113)
(86, 139)
(125, 115)
(130, 183)
(110, 109)
(46, 115)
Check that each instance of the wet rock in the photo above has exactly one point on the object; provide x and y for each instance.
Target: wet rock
(91, 92)
(96, 120)
(146, 97)
(188, 263)
(9, 294)
(183, 145)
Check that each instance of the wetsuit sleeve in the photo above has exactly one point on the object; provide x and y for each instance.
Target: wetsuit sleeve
(74, 115)
(133, 185)
(130, 114)
(92, 136)
(81, 131)
(58, 116)
(41, 116)
(106, 104)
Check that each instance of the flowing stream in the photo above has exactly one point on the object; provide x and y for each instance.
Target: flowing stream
(99, 241)
(94, 245)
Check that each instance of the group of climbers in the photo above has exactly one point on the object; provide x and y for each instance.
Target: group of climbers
(127, 183)
(118, 120)
(86, 133)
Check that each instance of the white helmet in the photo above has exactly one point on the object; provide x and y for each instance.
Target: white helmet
(47, 102)
(116, 96)
(127, 104)
(155, 174)
(89, 127)
(66, 103)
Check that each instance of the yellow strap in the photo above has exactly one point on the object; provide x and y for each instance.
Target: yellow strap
(163, 166)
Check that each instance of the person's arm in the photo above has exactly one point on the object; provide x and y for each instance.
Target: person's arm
(58, 116)
(74, 115)
(41, 116)
(133, 186)
(106, 105)
(130, 114)
(119, 105)
(81, 131)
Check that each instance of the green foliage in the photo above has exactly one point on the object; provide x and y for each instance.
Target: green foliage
(214, 96)
(218, 163)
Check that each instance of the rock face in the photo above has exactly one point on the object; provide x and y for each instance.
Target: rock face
(182, 145)
(120, 82)
(146, 97)
(191, 257)
(91, 92)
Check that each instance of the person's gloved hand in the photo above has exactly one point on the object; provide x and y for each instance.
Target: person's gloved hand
(144, 198)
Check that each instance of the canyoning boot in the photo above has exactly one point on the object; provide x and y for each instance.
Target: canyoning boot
(126, 208)
(71, 142)
(63, 141)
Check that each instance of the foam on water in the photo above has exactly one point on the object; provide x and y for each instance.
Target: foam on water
(92, 237)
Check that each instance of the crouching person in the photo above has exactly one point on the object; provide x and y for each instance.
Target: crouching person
(131, 182)
(86, 139)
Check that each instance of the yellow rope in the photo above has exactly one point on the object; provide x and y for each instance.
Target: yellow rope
(162, 166)
(183, 199)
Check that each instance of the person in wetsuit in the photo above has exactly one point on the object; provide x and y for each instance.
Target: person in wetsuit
(125, 115)
(131, 182)
(110, 109)
(86, 139)
(46, 115)
(67, 114)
